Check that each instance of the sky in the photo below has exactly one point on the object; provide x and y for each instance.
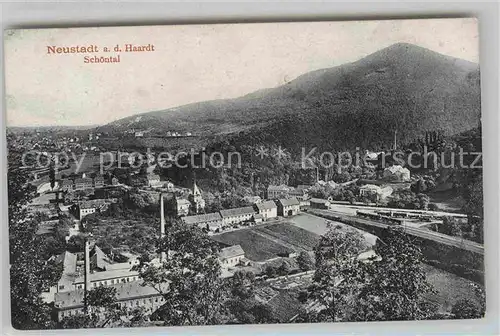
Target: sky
(193, 63)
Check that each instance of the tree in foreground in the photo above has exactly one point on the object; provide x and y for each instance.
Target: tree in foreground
(337, 274)
(104, 311)
(242, 306)
(29, 272)
(395, 287)
(392, 287)
(188, 278)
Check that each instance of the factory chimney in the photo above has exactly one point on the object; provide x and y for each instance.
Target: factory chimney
(162, 217)
(162, 224)
(86, 285)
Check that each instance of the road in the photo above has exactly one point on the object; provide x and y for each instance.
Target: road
(421, 233)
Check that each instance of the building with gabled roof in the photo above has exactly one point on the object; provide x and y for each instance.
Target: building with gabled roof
(182, 206)
(231, 256)
(88, 207)
(288, 206)
(69, 274)
(67, 185)
(258, 218)
(212, 221)
(99, 259)
(133, 294)
(319, 203)
(83, 183)
(153, 180)
(268, 209)
(98, 181)
(103, 271)
(297, 192)
(277, 191)
(236, 215)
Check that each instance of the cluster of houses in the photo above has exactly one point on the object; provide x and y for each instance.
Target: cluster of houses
(93, 268)
(284, 191)
(194, 200)
(84, 208)
(84, 183)
(257, 213)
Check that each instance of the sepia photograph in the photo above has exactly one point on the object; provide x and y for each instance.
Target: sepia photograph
(244, 174)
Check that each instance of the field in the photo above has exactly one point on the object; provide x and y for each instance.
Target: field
(297, 234)
(301, 233)
(256, 247)
(319, 226)
(293, 235)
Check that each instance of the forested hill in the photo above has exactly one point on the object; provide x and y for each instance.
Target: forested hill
(402, 87)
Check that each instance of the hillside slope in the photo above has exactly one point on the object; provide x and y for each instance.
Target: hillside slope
(403, 87)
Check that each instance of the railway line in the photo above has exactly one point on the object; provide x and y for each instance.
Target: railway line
(417, 232)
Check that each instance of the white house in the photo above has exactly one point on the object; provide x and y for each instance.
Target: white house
(236, 215)
(268, 209)
(231, 256)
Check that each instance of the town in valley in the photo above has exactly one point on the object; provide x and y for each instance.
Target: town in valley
(107, 230)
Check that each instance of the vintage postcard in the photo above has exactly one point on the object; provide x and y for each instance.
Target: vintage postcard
(261, 173)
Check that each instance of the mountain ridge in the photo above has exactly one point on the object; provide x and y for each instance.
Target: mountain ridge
(402, 87)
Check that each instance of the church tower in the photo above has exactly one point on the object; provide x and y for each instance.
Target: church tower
(196, 198)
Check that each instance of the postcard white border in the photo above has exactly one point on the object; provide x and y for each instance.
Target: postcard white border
(44, 14)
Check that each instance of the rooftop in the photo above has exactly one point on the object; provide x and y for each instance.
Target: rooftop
(83, 180)
(266, 205)
(105, 275)
(182, 201)
(46, 227)
(319, 200)
(231, 251)
(124, 291)
(289, 201)
(92, 203)
(68, 260)
(100, 258)
(237, 212)
(278, 188)
(297, 191)
(193, 220)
